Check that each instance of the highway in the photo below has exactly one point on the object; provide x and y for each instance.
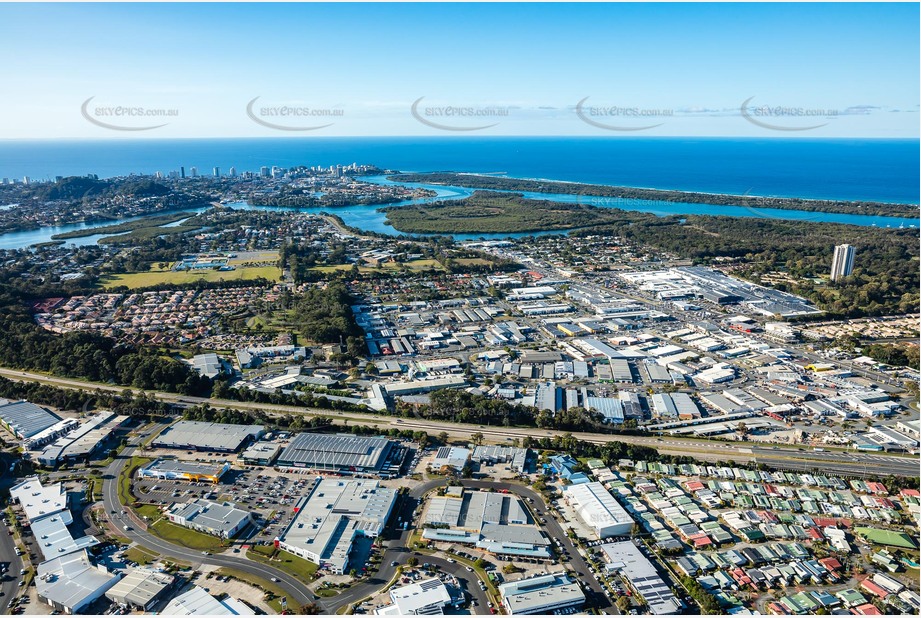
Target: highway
(706, 450)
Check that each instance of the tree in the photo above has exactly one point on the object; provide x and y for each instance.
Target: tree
(443, 437)
(623, 604)
(477, 438)
(413, 561)
(479, 563)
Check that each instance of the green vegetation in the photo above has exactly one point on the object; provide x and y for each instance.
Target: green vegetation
(185, 277)
(282, 560)
(87, 355)
(128, 226)
(488, 212)
(900, 354)
(185, 537)
(886, 537)
(146, 232)
(632, 193)
(151, 512)
(708, 603)
(140, 555)
(126, 477)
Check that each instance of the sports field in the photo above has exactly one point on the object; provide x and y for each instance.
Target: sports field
(159, 277)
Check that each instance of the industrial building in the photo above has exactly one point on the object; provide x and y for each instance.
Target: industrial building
(543, 594)
(332, 516)
(176, 470)
(598, 509)
(200, 436)
(516, 457)
(82, 442)
(261, 454)
(197, 602)
(141, 589)
(208, 365)
(494, 522)
(38, 501)
(24, 419)
(428, 597)
(340, 453)
(626, 558)
(54, 539)
(71, 583)
(222, 519)
(452, 457)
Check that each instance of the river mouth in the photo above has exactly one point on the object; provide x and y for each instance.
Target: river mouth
(369, 218)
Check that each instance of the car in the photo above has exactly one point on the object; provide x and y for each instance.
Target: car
(469, 569)
(394, 563)
(206, 553)
(275, 579)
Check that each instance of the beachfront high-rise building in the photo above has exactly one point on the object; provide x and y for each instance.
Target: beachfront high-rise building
(233, 172)
(194, 171)
(842, 264)
(216, 172)
(264, 171)
(182, 171)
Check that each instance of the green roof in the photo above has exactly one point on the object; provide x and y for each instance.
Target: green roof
(886, 537)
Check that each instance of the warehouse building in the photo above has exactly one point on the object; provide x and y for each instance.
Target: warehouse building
(516, 457)
(332, 516)
(141, 589)
(39, 501)
(200, 436)
(340, 453)
(24, 419)
(626, 558)
(83, 441)
(197, 602)
(428, 597)
(598, 509)
(54, 539)
(544, 594)
(452, 457)
(175, 470)
(222, 519)
(261, 454)
(71, 583)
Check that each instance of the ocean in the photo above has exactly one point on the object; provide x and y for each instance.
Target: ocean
(840, 169)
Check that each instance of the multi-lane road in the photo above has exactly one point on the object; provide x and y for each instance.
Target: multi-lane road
(839, 462)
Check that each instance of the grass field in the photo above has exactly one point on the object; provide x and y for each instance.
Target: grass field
(285, 561)
(185, 537)
(160, 277)
(141, 556)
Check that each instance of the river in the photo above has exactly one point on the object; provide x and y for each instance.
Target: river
(370, 219)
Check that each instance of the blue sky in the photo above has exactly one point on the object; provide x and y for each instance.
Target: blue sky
(816, 70)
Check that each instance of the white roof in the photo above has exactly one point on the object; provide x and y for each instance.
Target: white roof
(38, 501)
(72, 580)
(197, 602)
(414, 597)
